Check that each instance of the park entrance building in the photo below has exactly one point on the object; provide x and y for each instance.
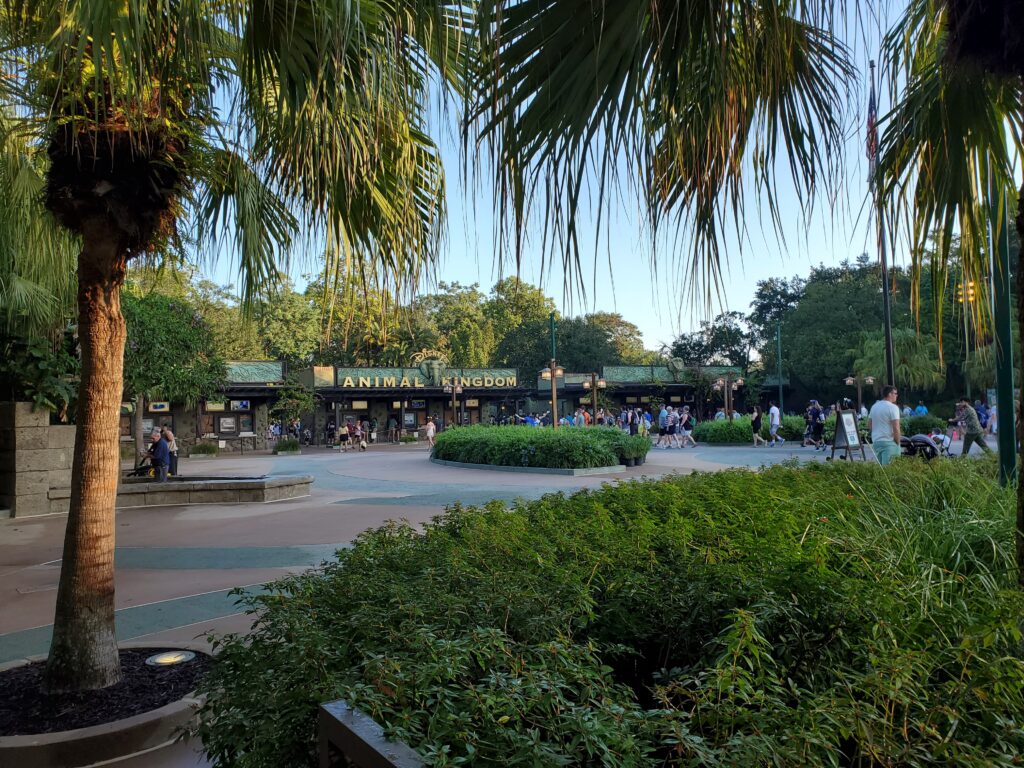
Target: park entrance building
(411, 395)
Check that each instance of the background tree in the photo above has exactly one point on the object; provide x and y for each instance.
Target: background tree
(135, 144)
(294, 400)
(915, 359)
(289, 327)
(513, 302)
(458, 312)
(628, 341)
(722, 341)
(236, 335)
(773, 298)
(170, 354)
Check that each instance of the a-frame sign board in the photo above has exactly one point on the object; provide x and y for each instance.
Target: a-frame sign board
(847, 437)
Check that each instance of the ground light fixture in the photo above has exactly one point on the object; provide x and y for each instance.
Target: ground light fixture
(170, 658)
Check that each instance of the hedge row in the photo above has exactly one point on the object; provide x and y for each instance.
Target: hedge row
(564, 448)
(829, 615)
(793, 427)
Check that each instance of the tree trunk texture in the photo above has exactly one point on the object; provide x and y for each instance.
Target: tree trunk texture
(83, 653)
(1017, 406)
(140, 440)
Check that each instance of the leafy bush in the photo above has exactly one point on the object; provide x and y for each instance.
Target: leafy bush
(287, 444)
(565, 448)
(828, 615)
(633, 446)
(408, 439)
(204, 449)
(736, 431)
(34, 370)
(922, 425)
(739, 430)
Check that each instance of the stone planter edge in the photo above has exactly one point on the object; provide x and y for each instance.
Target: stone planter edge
(100, 744)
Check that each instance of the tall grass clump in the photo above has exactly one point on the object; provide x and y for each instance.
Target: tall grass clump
(843, 615)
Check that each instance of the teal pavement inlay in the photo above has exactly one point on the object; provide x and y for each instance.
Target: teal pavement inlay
(133, 622)
(468, 498)
(224, 558)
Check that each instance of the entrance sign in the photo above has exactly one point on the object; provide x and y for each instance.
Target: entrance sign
(430, 374)
(847, 437)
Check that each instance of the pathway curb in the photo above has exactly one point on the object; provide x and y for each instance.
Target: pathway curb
(533, 470)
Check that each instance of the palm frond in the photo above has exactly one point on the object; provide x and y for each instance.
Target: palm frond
(686, 101)
(235, 201)
(947, 153)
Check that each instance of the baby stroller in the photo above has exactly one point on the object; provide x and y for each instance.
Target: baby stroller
(921, 445)
(143, 469)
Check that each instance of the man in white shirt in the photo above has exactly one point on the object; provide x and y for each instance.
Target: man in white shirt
(774, 422)
(884, 423)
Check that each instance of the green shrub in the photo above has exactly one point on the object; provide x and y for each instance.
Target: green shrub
(564, 448)
(204, 449)
(408, 439)
(736, 431)
(922, 425)
(739, 430)
(287, 444)
(829, 615)
(634, 446)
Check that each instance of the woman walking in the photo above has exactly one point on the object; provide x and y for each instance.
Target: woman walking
(755, 426)
(686, 426)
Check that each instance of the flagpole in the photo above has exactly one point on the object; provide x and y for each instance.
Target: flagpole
(890, 371)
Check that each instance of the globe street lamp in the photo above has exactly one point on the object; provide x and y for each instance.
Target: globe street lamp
(592, 386)
(859, 381)
(455, 391)
(729, 385)
(551, 374)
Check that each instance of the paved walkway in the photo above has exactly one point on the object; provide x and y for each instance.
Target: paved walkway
(177, 565)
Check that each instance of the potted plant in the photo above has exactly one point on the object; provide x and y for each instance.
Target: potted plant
(287, 446)
(203, 451)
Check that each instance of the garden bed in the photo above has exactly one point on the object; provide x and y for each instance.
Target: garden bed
(827, 615)
(565, 448)
(26, 710)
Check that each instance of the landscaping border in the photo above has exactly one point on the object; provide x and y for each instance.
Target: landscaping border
(113, 741)
(533, 470)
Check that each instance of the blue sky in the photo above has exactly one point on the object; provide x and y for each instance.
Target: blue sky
(619, 272)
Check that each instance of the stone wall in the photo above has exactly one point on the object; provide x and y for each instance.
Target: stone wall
(35, 459)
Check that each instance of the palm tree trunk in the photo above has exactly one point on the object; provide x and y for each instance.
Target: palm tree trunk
(83, 654)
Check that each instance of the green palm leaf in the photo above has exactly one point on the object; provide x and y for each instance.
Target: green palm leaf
(684, 100)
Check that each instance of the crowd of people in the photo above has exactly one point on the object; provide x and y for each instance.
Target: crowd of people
(669, 426)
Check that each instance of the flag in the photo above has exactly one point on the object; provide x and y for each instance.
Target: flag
(872, 146)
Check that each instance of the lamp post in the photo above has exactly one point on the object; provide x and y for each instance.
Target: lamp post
(965, 294)
(729, 385)
(859, 381)
(455, 391)
(592, 386)
(551, 374)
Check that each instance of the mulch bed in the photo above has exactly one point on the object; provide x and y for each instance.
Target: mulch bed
(25, 709)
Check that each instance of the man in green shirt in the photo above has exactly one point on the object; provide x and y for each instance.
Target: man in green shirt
(973, 433)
